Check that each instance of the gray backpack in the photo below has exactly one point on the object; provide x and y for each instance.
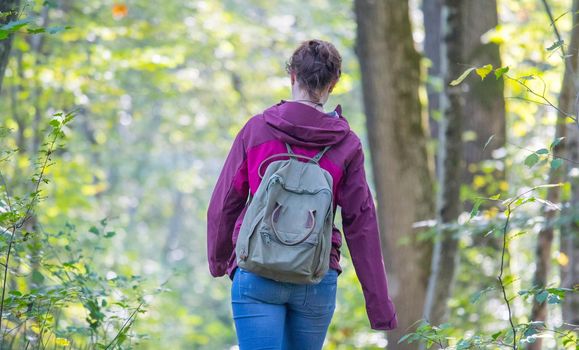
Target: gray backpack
(287, 228)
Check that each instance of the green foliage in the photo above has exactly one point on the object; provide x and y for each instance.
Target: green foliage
(48, 282)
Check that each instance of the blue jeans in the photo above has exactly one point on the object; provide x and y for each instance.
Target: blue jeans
(276, 315)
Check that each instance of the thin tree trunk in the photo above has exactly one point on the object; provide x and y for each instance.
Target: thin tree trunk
(10, 7)
(570, 232)
(432, 10)
(397, 136)
(451, 157)
(545, 239)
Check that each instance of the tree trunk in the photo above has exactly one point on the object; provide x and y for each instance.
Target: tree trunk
(10, 7)
(484, 109)
(476, 107)
(397, 136)
(545, 239)
(450, 142)
(570, 232)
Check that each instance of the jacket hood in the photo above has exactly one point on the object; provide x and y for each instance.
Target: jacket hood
(302, 125)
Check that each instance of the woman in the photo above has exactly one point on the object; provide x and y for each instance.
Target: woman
(276, 315)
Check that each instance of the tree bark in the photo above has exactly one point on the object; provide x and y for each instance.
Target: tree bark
(11, 8)
(432, 10)
(450, 142)
(545, 239)
(570, 232)
(474, 106)
(397, 136)
(484, 109)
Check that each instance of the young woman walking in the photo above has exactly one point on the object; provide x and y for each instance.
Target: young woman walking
(269, 314)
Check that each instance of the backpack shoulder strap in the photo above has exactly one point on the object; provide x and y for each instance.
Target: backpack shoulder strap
(319, 156)
(315, 159)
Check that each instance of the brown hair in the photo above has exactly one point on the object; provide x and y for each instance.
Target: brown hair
(316, 64)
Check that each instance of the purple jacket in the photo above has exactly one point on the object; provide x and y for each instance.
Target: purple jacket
(307, 130)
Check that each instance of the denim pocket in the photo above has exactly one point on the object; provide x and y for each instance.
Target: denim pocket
(321, 297)
(253, 287)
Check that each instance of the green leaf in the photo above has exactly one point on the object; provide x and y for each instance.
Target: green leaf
(462, 77)
(36, 30)
(500, 71)
(496, 196)
(15, 25)
(541, 297)
(110, 234)
(404, 337)
(556, 142)
(555, 45)
(57, 29)
(474, 210)
(11, 27)
(559, 291)
(484, 71)
(553, 299)
(556, 163)
(531, 160)
(542, 151)
(55, 123)
(94, 230)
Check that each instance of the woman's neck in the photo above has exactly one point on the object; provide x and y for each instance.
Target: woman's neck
(307, 100)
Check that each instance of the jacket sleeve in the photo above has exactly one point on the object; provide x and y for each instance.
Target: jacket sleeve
(227, 202)
(363, 238)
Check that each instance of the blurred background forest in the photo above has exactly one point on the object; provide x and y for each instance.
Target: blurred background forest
(116, 117)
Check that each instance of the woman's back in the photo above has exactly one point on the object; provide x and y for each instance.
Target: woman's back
(303, 125)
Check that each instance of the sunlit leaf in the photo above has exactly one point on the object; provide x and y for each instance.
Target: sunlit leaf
(500, 71)
(462, 77)
(484, 71)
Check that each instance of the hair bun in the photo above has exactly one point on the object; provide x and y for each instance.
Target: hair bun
(314, 46)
